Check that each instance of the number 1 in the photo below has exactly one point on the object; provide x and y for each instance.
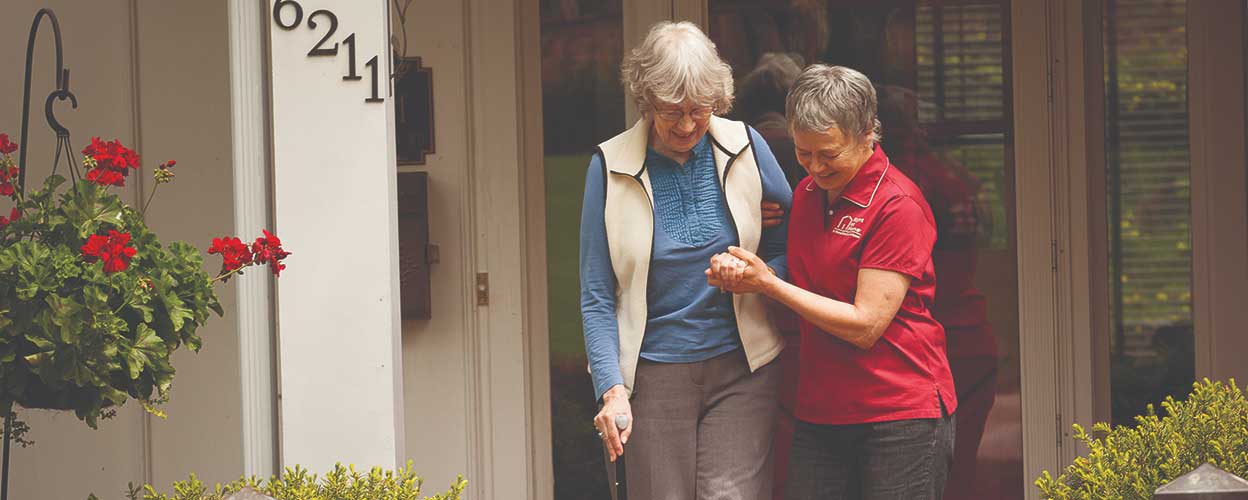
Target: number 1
(351, 74)
(372, 63)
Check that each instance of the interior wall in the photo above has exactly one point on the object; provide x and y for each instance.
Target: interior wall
(435, 351)
(178, 110)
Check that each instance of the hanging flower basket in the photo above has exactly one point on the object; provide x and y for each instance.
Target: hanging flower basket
(92, 304)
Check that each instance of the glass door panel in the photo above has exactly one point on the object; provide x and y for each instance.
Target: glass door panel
(582, 105)
(1148, 182)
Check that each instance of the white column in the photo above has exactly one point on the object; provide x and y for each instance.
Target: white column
(254, 313)
(335, 208)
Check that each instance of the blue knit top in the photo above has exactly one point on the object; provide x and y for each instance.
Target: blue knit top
(687, 320)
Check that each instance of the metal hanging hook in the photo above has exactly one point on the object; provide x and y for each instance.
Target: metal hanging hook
(61, 92)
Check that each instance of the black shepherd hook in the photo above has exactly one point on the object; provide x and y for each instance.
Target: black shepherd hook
(61, 93)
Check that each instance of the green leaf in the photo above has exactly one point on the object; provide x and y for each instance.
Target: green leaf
(66, 315)
(174, 307)
(147, 347)
(145, 310)
(8, 259)
(36, 359)
(41, 343)
(95, 298)
(92, 206)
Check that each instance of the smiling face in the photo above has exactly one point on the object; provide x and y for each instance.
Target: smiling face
(831, 157)
(677, 129)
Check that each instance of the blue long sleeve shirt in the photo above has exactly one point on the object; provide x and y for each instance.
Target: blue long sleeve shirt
(687, 319)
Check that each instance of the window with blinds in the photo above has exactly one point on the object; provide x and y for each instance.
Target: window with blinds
(1149, 202)
(961, 68)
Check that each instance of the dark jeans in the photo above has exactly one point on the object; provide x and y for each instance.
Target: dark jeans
(901, 460)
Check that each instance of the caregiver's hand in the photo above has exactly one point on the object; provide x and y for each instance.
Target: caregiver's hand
(740, 271)
(773, 214)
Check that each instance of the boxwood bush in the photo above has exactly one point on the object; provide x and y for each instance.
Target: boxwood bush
(1131, 462)
(341, 483)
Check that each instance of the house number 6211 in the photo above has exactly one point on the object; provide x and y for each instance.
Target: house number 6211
(320, 49)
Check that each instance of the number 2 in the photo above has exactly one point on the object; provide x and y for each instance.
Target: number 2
(333, 28)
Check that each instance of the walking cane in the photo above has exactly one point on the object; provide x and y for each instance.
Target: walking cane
(615, 470)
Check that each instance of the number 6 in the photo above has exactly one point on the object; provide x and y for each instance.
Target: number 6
(277, 13)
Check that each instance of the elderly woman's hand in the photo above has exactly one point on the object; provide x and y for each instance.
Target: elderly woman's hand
(740, 271)
(724, 271)
(614, 403)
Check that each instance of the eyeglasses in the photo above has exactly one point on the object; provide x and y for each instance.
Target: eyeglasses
(674, 115)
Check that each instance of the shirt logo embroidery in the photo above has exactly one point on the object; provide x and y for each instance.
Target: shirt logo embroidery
(848, 226)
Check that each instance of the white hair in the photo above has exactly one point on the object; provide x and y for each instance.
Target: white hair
(826, 97)
(677, 62)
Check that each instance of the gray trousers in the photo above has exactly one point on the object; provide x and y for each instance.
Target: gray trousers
(702, 431)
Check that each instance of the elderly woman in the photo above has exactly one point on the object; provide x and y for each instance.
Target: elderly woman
(875, 397)
(690, 366)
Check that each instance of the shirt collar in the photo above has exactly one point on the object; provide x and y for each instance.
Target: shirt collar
(702, 147)
(862, 188)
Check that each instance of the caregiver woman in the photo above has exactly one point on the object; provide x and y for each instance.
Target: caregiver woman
(875, 397)
(660, 199)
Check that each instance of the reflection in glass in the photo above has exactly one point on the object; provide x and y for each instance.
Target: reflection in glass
(942, 75)
(1149, 204)
(582, 104)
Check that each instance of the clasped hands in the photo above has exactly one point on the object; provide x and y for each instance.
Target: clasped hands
(739, 271)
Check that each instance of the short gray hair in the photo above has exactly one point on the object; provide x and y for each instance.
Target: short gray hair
(676, 62)
(824, 97)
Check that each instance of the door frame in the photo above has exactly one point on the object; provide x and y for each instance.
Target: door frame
(1060, 218)
(1048, 134)
(1219, 200)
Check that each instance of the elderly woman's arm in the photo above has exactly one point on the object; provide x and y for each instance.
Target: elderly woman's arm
(602, 341)
(602, 335)
(775, 189)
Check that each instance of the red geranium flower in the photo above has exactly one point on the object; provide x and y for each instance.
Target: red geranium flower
(233, 250)
(112, 162)
(6, 180)
(111, 249)
(14, 216)
(268, 249)
(7, 146)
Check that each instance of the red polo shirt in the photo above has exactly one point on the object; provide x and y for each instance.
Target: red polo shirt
(880, 221)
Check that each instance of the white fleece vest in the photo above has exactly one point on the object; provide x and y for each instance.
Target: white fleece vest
(629, 220)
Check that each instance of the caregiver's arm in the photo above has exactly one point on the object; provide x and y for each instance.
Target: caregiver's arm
(879, 296)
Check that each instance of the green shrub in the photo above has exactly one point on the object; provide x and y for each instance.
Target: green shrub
(342, 483)
(1130, 463)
